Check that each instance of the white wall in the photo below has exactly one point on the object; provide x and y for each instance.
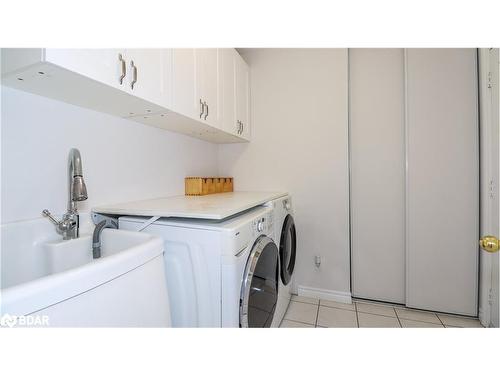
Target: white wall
(122, 160)
(299, 144)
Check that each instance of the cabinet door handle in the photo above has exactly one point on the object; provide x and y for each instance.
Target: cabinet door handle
(134, 76)
(121, 60)
(202, 108)
(206, 114)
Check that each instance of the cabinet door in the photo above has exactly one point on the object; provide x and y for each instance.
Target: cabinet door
(146, 70)
(102, 65)
(227, 92)
(184, 100)
(207, 83)
(242, 95)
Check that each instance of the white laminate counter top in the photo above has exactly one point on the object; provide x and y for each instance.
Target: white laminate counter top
(212, 206)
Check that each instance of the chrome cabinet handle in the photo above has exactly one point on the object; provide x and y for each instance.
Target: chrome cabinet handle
(202, 109)
(124, 68)
(206, 114)
(134, 76)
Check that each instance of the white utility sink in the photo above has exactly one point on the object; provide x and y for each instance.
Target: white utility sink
(60, 280)
(69, 254)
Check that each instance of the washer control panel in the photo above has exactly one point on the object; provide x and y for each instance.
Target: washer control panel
(263, 224)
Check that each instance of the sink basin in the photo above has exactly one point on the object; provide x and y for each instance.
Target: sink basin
(65, 255)
(61, 280)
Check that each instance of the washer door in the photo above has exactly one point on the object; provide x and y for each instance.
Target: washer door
(288, 245)
(259, 292)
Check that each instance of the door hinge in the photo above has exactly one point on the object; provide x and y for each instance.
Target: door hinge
(490, 81)
(490, 297)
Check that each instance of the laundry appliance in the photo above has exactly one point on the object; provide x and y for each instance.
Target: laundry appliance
(220, 273)
(285, 237)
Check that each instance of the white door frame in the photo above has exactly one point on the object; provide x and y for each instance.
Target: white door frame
(489, 164)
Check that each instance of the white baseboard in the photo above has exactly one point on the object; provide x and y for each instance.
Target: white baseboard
(330, 295)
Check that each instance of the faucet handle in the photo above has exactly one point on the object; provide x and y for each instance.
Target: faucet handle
(47, 213)
(66, 226)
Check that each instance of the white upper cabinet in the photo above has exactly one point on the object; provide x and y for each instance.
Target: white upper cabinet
(103, 65)
(242, 87)
(148, 74)
(139, 72)
(207, 84)
(234, 93)
(199, 92)
(195, 84)
(184, 83)
(227, 91)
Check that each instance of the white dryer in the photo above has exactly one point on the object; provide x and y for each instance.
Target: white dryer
(219, 274)
(286, 239)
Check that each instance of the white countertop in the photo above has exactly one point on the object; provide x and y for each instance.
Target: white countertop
(212, 206)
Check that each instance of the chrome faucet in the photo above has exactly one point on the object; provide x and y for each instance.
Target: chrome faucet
(69, 226)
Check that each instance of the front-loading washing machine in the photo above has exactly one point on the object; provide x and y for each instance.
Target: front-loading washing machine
(219, 273)
(286, 239)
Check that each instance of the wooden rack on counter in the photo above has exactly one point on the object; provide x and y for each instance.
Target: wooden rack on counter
(208, 185)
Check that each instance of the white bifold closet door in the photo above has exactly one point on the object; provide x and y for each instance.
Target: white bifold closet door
(377, 154)
(442, 224)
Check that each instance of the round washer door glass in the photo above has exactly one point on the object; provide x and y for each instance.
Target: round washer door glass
(288, 245)
(259, 292)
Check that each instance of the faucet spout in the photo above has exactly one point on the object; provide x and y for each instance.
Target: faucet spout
(69, 226)
(76, 184)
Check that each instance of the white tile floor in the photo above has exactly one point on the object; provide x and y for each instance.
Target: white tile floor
(304, 312)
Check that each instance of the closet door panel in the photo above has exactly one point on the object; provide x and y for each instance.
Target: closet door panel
(377, 173)
(442, 180)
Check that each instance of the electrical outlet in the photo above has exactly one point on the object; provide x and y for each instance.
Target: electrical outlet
(317, 261)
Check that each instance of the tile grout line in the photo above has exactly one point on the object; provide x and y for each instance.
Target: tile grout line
(298, 321)
(421, 321)
(336, 307)
(356, 309)
(375, 303)
(369, 313)
(317, 313)
(331, 307)
(440, 320)
(397, 316)
(309, 303)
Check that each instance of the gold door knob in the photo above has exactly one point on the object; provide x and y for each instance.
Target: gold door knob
(489, 243)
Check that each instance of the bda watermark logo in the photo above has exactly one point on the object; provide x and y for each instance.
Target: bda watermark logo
(10, 321)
